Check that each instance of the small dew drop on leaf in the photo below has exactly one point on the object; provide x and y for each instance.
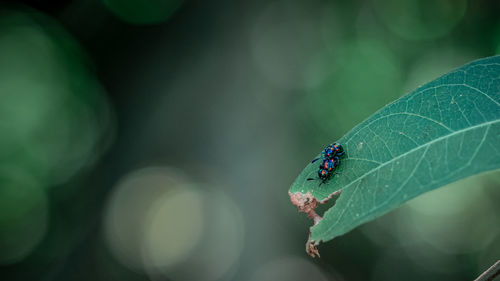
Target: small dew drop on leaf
(360, 145)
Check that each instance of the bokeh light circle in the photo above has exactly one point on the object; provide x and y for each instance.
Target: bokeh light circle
(128, 208)
(215, 254)
(346, 86)
(143, 12)
(420, 19)
(54, 123)
(53, 117)
(160, 223)
(440, 218)
(172, 232)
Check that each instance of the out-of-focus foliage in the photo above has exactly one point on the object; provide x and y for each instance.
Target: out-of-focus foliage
(53, 118)
(420, 20)
(157, 220)
(53, 112)
(347, 71)
(23, 215)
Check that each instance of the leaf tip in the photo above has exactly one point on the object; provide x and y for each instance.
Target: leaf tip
(312, 249)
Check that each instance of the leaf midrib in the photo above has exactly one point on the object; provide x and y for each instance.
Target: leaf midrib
(400, 156)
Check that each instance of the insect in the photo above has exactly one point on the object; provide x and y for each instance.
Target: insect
(331, 151)
(328, 165)
(330, 162)
(326, 169)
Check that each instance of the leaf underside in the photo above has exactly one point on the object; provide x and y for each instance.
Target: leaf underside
(444, 131)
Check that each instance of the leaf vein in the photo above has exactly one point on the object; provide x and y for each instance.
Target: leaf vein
(376, 169)
(399, 113)
(478, 147)
(405, 181)
(363, 159)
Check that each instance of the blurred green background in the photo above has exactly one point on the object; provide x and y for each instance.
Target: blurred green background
(156, 140)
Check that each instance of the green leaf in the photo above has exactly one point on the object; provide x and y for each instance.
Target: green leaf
(444, 131)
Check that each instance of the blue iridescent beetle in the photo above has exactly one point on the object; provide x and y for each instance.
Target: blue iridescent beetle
(331, 151)
(331, 160)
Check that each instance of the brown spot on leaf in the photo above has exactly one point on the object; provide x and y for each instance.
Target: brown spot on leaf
(307, 203)
(312, 249)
